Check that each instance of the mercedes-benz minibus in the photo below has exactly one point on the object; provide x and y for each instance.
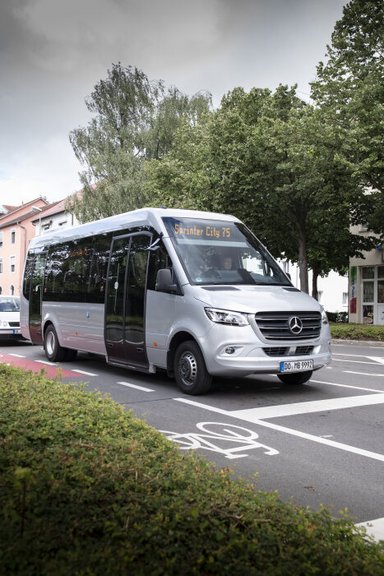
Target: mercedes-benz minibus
(189, 292)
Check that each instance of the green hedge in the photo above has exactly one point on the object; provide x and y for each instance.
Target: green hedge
(357, 332)
(88, 489)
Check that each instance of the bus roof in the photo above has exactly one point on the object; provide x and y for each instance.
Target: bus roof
(140, 217)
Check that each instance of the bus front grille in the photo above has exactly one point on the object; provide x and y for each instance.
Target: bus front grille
(289, 325)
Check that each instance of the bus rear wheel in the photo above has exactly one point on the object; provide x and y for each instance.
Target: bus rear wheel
(53, 351)
(296, 378)
(190, 371)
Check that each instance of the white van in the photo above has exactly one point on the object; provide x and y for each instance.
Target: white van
(9, 318)
(190, 292)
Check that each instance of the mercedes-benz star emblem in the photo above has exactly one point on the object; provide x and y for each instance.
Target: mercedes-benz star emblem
(295, 325)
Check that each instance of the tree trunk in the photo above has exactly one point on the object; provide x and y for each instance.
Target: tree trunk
(315, 275)
(303, 264)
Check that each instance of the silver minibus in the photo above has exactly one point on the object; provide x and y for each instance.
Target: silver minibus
(189, 292)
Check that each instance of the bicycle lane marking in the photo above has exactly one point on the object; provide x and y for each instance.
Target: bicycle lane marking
(230, 440)
(251, 416)
(374, 527)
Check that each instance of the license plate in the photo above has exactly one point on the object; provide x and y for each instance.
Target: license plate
(296, 366)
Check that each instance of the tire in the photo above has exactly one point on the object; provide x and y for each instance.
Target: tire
(53, 351)
(70, 354)
(296, 378)
(190, 371)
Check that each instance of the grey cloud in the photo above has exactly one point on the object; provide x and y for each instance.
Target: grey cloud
(52, 53)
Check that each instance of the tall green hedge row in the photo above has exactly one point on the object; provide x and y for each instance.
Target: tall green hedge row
(88, 489)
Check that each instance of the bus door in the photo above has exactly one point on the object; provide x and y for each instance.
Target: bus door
(35, 277)
(125, 304)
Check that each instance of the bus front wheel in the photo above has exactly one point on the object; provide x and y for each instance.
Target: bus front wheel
(190, 371)
(53, 351)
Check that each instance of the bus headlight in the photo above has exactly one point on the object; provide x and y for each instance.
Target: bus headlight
(227, 317)
(324, 317)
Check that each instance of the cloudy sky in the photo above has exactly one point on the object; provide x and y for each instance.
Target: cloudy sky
(53, 52)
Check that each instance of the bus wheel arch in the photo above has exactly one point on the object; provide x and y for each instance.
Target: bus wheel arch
(189, 367)
(177, 339)
(53, 351)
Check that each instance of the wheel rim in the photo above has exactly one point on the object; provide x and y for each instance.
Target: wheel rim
(188, 368)
(50, 343)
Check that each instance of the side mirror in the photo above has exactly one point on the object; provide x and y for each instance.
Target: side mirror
(164, 281)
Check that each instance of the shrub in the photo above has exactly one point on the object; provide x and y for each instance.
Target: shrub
(88, 489)
(357, 332)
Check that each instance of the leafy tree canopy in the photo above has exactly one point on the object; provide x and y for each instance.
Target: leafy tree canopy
(271, 160)
(134, 119)
(350, 89)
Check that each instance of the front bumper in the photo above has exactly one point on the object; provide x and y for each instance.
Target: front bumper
(245, 354)
(10, 334)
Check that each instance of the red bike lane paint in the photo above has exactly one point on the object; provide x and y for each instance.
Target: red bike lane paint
(51, 371)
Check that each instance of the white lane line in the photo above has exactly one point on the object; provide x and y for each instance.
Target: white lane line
(18, 355)
(320, 440)
(351, 355)
(362, 373)
(204, 406)
(374, 528)
(129, 385)
(377, 359)
(290, 431)
(46, 362)
(347, 386)
(83, 372)
(295, 408)
(353, 361)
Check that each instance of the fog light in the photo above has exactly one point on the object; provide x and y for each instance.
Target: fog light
(230, 350)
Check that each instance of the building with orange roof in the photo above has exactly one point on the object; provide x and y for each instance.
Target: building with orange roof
(16, 230)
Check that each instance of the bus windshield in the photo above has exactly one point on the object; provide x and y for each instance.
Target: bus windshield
(222, 252)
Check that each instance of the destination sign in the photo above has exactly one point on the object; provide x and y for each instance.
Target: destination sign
(201, 229)
(218, 232)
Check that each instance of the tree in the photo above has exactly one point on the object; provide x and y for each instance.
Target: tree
(135, 119)
(269, 159)
(183, 177)
(350, 90)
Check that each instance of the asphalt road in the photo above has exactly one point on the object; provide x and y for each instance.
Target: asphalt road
(319, 443)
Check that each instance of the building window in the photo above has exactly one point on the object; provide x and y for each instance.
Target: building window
(368, 291)
(380, 292)
(1, 289)
(12, 290)
(1, 238)
(13, 263)
(13, 237)
(1, 265)
(368, 272)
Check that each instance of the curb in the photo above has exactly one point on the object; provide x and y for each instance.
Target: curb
(367, 342)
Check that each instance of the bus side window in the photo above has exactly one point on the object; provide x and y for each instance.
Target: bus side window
(29, 266)
(158, 259)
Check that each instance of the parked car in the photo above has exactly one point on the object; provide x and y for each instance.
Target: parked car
(9, 318)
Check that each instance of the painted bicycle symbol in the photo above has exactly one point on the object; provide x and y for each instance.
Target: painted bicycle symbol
(226, 439)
